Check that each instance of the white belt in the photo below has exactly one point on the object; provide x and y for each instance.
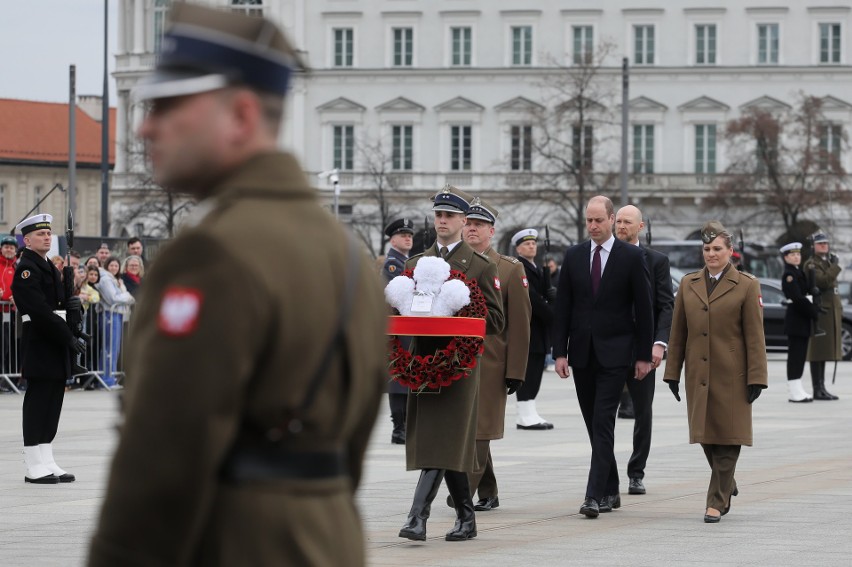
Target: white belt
(60, 312)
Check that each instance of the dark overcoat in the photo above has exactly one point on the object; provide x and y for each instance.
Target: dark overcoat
(393, 267)
(233, 322)
(505, 354)
(542, 309)
(718, 342)
(801, 312)
(826, 347)
(38, 292)
(441, 425)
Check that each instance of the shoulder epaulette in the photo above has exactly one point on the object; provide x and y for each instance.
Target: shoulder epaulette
(748, 275)
(510, 259)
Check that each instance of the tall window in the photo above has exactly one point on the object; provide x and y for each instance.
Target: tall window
(521, 148)
(829, 43)
(581, 147)
(705, 148)
(643, 148)
(461, 46)
(643, 45)
(161, 8)
(343, 47)
(248, 7)
(344, 147)
(402, 153)
(522, 45)
(767, 44)
(403, 47)
(460, 148)
(2, 203)
(830, 140)
(705, 44)
(584, 44)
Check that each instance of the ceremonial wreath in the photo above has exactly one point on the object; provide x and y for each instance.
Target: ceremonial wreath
(457, 309)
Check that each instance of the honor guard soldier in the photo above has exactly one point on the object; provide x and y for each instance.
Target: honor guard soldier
(542, 298)
(799, 319)
(401, 234)
(47, 344)
(244, 427)
(504, 363)
(441, 426)
(825, 268)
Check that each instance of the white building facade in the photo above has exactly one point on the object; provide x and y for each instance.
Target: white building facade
(444, 91)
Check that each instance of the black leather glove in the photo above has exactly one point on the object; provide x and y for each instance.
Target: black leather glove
(512, 385)
(76, 347)
(833, 259)
(754, 391)
(675, 388)
(551, 294)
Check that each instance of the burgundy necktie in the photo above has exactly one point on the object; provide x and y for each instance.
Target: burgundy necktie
(596, 270)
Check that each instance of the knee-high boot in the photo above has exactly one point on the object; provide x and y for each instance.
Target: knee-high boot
(465, 526)
(397, 407)
(818, 380)
(424, 494)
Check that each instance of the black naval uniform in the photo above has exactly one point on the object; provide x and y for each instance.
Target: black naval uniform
(542, 318)
(46, 359)
(397, 393)
(797, 320)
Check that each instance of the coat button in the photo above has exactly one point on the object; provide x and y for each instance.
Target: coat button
(704, 334)
(705, 308)
(704, 359)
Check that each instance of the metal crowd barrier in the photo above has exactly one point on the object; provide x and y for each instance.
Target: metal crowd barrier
(101, 365)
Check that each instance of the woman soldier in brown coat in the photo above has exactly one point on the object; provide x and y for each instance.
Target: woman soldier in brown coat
(717, 334)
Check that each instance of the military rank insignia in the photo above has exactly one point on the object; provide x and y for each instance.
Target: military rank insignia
(179, 311)
(25, 274)
(789, 278)
(391, 268)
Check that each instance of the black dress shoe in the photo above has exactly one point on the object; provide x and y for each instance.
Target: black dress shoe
(626, 413)
(610, 503)
(636, 486)
(537, 426)
(67, 477)
(708, 519)
(47, 479)
(590, 508)
(398, 438)
(487, 504)
(728, 507)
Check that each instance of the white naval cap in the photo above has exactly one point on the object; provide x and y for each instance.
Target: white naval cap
(35, 222)
(792, 247)
(524, 235)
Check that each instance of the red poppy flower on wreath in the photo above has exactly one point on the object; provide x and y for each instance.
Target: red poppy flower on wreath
(449, 364)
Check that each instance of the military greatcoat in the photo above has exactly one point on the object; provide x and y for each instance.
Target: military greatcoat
(826, 347)
(505, 356)
(441, 426)
(232, 323)
(719, 342)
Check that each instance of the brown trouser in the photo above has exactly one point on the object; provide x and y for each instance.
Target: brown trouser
(723, 464)
(483, 477)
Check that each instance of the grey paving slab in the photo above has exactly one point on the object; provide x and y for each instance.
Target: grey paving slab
(793, 508)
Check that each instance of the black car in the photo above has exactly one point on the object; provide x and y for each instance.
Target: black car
(773, 316)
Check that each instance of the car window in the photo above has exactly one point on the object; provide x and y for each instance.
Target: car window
(771, 294)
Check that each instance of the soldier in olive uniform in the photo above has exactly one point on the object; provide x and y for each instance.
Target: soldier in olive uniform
(826, 268)
(504, 363)
(401, 234)
(46, 347)
(798, 319)
(245, 427)
(441, 425)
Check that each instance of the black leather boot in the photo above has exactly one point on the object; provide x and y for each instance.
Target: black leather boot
(465, 526)
(397, 406)
(818, 381)
(427, 488)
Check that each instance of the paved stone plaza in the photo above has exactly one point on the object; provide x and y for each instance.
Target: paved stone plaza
(794, 507)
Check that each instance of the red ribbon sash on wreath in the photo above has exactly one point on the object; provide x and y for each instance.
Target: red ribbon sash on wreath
(445, 366)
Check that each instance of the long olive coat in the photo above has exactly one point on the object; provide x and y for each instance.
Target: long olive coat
(505, 354)
(440, 426)
(826, 347)
(233, 321)
(719, 343)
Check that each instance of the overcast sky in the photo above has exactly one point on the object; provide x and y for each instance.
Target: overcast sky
(40, 39)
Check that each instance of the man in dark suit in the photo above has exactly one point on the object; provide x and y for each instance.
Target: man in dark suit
(628, 225)
(603, 326)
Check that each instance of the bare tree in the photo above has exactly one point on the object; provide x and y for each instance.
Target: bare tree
(570, 129)
(790, 160)
(160, 211)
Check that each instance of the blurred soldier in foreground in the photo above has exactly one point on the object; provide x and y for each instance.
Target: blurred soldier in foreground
(245, 427)
(825, 267)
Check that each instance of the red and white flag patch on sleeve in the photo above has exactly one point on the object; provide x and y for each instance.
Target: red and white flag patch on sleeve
(497, 283)
(525, 281)
(179, 311)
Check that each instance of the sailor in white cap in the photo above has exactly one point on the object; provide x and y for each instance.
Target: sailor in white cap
(542, 297)
(46, 349)
(799, 319)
